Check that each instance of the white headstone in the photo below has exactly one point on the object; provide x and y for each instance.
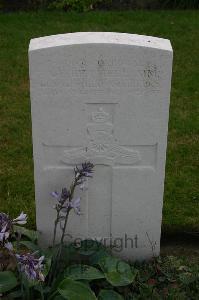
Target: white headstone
(102, 97)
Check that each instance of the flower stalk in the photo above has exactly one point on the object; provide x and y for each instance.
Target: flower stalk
(66, 201)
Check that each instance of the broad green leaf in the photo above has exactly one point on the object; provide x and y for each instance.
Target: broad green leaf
(116, 271)
(74, 290)
(85, 282)
(68, 254)
(47, 265)
(30, 245)
(7, 281)
(15, 294)
(96, 257)
(31, 234)
(86, 272)
(109, 295)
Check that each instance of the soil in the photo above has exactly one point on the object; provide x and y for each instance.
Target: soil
(182, 244)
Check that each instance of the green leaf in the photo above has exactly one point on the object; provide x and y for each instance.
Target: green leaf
(68, 254)
(7, 281)
(85, 272)
(15, 294)
(74, 290)
(109, 295)
(30, 245)
(116, 271)
(187, 278)
(31, 234)
(85, 282)
(96, 257)
(47, 266)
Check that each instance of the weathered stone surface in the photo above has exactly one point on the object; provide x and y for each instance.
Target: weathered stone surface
(102, 97)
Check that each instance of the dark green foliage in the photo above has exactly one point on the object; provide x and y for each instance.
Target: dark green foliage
(13, 5)
(86, 5)
(75, 290)
(107, 279)
(83, 272)
(77, 5)
(117, 272)
(109, 295)
(7, 281)
(130, 4)
(179, 4)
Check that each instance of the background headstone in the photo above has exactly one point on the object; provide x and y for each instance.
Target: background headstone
(102, 97)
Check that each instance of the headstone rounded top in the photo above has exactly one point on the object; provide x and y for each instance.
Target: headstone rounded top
(99, 38)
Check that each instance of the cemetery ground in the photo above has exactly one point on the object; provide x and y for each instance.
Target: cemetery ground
(181, 206)
(166, 277)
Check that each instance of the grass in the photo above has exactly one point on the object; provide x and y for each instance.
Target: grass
(181, 203)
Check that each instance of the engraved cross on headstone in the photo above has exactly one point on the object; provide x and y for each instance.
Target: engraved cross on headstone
(103, 97)
(103, 149)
